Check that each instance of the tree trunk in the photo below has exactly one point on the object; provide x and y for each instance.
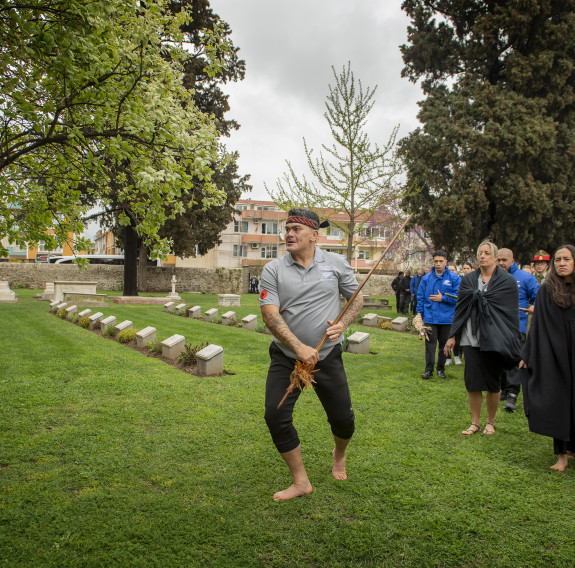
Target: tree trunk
(130, 261)
(142, 268)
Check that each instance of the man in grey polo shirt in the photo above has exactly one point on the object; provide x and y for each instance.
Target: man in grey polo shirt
(299, 299)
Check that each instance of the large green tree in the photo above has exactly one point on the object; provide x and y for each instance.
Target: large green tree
(197, 226)
(353, 175)
(86, 88)
(495, 154)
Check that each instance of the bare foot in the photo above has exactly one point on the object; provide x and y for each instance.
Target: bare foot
(562, 462)
(338, 470)
(295, 490)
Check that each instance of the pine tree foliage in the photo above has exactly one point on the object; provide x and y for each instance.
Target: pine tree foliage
(495, 153)
(352, 175)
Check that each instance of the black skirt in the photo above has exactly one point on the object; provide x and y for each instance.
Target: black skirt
(483, 370)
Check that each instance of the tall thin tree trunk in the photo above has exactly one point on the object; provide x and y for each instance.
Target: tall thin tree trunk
(142, 268)
(131, 261)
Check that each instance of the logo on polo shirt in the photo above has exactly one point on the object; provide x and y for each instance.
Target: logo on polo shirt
(263, 294)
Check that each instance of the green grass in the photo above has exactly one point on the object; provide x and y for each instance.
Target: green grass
(111, 458)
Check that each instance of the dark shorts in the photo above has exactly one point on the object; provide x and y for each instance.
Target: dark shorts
(330, 386)
(483, 370)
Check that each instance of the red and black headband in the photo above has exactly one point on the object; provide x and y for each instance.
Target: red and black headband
(309, 222)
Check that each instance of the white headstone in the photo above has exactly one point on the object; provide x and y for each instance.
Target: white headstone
(169, 307)
(370, 320)
(358, 342)
(210, 360)
(6, 295)
(195, 312)
(110, 321)
(146, 335)
(229, 318)
(250, 322)
(211, 315)
(399, 324)
(126, 324)
(173, 346)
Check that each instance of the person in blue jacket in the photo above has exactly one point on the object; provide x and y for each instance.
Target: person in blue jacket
(437, 309)
(414, 285)
(528, 287)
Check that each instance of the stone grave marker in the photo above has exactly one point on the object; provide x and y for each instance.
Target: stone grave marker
(169, 307)
(211, 315)
(358, 342)
(250, 322)
(85, 313)
(370, 320)
(399, 324)
(179, 309)
(229, 318)
(210, 360)
(71, 310)
(94, 319)
(229, 300)
(146, 335)
(195, 312)
(126, 324)
(110, 321)
(173, 346)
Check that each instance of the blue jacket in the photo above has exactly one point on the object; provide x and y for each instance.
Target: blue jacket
(414, 285)
(528, 287)
(438, 313)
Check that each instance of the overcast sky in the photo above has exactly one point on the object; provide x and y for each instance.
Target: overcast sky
(289, 49)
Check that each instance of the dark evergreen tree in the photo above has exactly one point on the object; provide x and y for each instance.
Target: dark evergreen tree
(495, 154)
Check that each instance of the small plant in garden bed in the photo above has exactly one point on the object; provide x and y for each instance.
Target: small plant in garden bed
(155, 346)
(84, 322)
(349, 331)
(188, 356)
(127, 335)
(110, 331)
(385, 325)
(74, 318)
(62, 313)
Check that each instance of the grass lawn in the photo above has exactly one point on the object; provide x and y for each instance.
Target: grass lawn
(111, 458)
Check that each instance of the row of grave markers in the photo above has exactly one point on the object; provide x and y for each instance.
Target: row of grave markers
(210, 358)
(357, 342)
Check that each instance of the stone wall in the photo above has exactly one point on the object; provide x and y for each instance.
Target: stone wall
(208, 280)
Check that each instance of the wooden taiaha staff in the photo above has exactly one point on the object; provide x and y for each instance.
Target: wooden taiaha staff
(301, 377)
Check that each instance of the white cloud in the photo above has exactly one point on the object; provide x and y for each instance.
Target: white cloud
(289, 49)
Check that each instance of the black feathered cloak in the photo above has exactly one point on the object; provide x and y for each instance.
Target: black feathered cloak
(548, 393)
(494, 312)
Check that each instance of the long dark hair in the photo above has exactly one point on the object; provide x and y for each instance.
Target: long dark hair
(562, 294)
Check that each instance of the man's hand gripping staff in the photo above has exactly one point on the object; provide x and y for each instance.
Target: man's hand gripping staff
(301, 377)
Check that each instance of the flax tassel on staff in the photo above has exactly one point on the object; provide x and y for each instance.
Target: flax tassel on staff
(302, 377)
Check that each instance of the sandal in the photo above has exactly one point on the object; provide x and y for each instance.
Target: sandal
(470, 431)
(489, 431)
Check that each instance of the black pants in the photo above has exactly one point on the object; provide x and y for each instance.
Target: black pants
(404, 299)
(397, 302)
(510, 382)
(438, 337)
(330, 386)
(413, 305)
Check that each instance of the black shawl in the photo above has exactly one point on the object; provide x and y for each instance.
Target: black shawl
(494, 312)
(548, 380)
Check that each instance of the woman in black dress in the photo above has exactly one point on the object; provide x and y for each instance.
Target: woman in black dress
(486, 320)
(548, 358)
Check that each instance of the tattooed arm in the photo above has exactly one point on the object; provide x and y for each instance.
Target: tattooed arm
(277, 325)
(334, 331)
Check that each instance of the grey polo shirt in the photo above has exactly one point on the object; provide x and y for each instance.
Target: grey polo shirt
(308, 297)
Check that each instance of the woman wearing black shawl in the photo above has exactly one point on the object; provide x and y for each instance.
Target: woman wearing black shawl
(548, 359)
(487, 320)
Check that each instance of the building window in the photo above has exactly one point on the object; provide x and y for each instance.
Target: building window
(240, 207)
(335, 232)
(42, 248)
(363, 254)
(265, 208)
(335, 250)
(269, 228)
(240, 226)
(269, 252)
(240, 250)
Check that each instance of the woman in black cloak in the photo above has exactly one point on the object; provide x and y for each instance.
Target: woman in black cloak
(548, 359)
(487, 321)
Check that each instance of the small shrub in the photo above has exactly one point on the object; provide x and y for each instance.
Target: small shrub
(97, 325)
(74, 318)
(260, 328)
(110, 331)
(386, 325)
(349, 331)
(188, 355)
(84, 322)
(127, 335)
(155, 346)
(62, 313)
